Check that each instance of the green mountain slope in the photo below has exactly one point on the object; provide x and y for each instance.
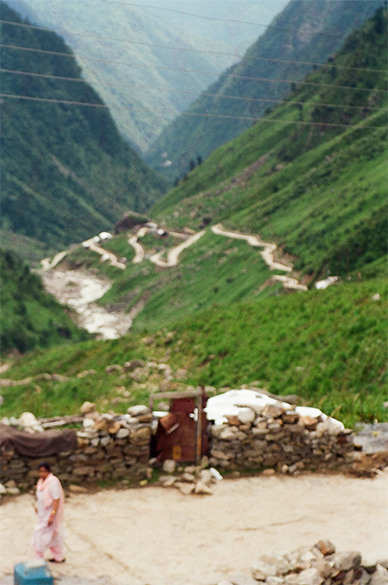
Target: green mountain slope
(311, 177)
(304, 31)
(329, 347)
(149, 64)
(30, 317)
(319, 191)
(67, 172)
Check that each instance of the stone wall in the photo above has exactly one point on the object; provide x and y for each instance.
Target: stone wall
(109, 447)
(279, 438)
(318, 565)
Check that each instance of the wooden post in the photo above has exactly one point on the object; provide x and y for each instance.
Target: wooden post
(198, 445)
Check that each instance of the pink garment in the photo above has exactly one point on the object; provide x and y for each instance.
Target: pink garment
(49, 536)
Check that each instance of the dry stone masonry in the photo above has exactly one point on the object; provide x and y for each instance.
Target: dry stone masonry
(248, 430)
(266, 433)
(318, 565)
(108, 447)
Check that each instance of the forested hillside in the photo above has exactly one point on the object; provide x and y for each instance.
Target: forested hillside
(305, 33)
(148, 61)
(312, 174)
(67, 173)
(30, 317)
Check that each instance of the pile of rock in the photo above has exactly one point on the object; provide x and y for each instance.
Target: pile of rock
(109, 447)
(191, 479)
(318, 565)
(278, 435)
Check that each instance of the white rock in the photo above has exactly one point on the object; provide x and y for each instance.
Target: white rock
(122, 433)
(246, 415)
(185, 488)
(274, 580)
(344, 561)
(104, 441)
(203, 489)
(138, 410)
(87, 407)
(13, 491)
(169, 466)
(380, 576)
(167, 480)
(229, 433)
(3, 490)
(306, 577)
(206, 476)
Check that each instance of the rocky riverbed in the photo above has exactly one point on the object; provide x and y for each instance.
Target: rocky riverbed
(80, 290)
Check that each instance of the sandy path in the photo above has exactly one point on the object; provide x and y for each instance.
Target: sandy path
(91, 245)
(173, 254)
(48, 263)
(157, 536)
(139, 250)
(267, 254)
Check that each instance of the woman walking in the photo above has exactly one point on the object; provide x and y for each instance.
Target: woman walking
(49, 532)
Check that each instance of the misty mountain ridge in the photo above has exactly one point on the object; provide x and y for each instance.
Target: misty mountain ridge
(304, 33)
(67, 172)
(148, 64)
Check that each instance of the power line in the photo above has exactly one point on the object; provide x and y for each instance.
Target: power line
(195, 114)
(185, 70)
(185, 92)
(214, 18)
(190, 49)
(232, 21)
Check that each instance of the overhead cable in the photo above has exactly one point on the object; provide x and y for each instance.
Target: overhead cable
(185, 92)
(184, 70)
(190, 49)
(195, 114)
(230, 20)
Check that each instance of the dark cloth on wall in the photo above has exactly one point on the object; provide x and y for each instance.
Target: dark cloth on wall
(37, 445)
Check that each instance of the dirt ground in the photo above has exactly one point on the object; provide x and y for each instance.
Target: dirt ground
(158, 536)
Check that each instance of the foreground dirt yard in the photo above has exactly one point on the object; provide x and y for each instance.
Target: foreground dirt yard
(157, 536)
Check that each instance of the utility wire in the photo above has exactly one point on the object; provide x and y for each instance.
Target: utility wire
(190, 49)
(183, 69)
(185, 92)
(232, 21)
(196, 114)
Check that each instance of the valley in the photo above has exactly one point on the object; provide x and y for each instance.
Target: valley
(80, 290)
(262, 270)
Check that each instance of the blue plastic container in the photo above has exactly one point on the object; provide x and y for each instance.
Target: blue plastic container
(32, 573)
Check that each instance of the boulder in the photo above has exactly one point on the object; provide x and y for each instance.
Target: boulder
(87, 407)
(307, 577)
(203, 489)
(169, 466)
(246, 415)
(380, 576)
(345, 561)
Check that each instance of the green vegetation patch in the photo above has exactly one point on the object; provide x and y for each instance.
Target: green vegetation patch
(29, 316)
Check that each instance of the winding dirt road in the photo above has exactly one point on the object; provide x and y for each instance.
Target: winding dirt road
(158, 536)
(173, 254)
(139, 250)
(80, 289)
(91, 245)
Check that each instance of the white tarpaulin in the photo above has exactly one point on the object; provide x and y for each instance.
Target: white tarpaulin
(235, 402)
